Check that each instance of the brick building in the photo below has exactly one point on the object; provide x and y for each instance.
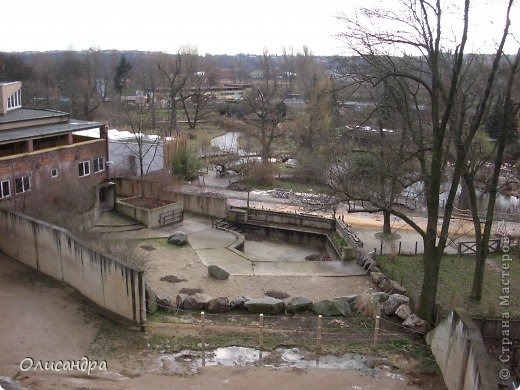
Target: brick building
(42, 156)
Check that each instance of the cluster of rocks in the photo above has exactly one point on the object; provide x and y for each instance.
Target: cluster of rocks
(398, 303)
(343, 306)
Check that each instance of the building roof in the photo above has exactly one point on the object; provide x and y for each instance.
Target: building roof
(46, 130)
(27, 114)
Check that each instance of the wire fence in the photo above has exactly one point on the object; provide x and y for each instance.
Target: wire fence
(355, 332)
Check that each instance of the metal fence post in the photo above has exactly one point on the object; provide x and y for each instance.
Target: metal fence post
(376, 330)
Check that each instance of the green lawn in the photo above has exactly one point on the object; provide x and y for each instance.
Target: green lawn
(455, 280)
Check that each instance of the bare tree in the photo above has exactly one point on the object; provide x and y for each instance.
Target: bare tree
(177, 73)
(507, 118)
(266, 110)
(145, 142)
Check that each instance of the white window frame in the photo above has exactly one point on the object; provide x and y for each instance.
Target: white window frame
(2, 185)
(98, 160)
(24, 189)
(84, 164)
(15, 100)
(53, 176)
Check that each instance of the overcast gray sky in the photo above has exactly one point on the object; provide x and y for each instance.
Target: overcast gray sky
(225, 26)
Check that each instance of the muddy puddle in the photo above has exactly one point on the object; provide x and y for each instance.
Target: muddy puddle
(188, 361)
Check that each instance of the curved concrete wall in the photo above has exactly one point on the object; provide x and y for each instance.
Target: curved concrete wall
(461, 354)
(112, 284)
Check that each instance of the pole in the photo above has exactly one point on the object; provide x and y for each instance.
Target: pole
(400, 242)
(415, 247)
(261, 335)
(318, 334)
(203, 329)
(376, 330)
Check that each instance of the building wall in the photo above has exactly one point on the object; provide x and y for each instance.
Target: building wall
(112, 284)
(38, 164)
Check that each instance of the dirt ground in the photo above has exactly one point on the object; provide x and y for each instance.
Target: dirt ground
(40, 318)
(218, 377)
(184, 263)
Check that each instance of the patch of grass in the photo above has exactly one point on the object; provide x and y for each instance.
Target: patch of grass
(417, 351)
(338, 240)
(455, 280)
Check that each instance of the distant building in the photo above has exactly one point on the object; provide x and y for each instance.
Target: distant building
(41, 156)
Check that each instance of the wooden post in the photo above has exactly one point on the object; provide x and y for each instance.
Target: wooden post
(203, 330)
(376, 330)
(415, 247)
(318, 334)
(261, 335)
(400, 242)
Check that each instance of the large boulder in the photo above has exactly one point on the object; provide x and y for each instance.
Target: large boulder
(184, 301)
(368, 256)
(178, 238)
(368, 263)
(391, 286)
(393, 302)
(216, 272)
(297, 305)
(219, 305)
(330, 308)
(238, 302)
(151, 299)
(201, 301)
(266, 305)
(403, 311)
(193, 302)
(376, 277)
(416, 323)
(164, 301)
(380, 296)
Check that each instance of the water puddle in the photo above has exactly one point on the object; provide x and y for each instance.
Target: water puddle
(188, 361)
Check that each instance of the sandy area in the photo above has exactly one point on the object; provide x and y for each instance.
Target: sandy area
(185, 264)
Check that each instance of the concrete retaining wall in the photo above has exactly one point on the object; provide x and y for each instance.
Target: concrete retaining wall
(150, 217)
(309, 221)
(295, 236)
(212, 205)
(460, 353)
(112, 284)
(343, 231)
